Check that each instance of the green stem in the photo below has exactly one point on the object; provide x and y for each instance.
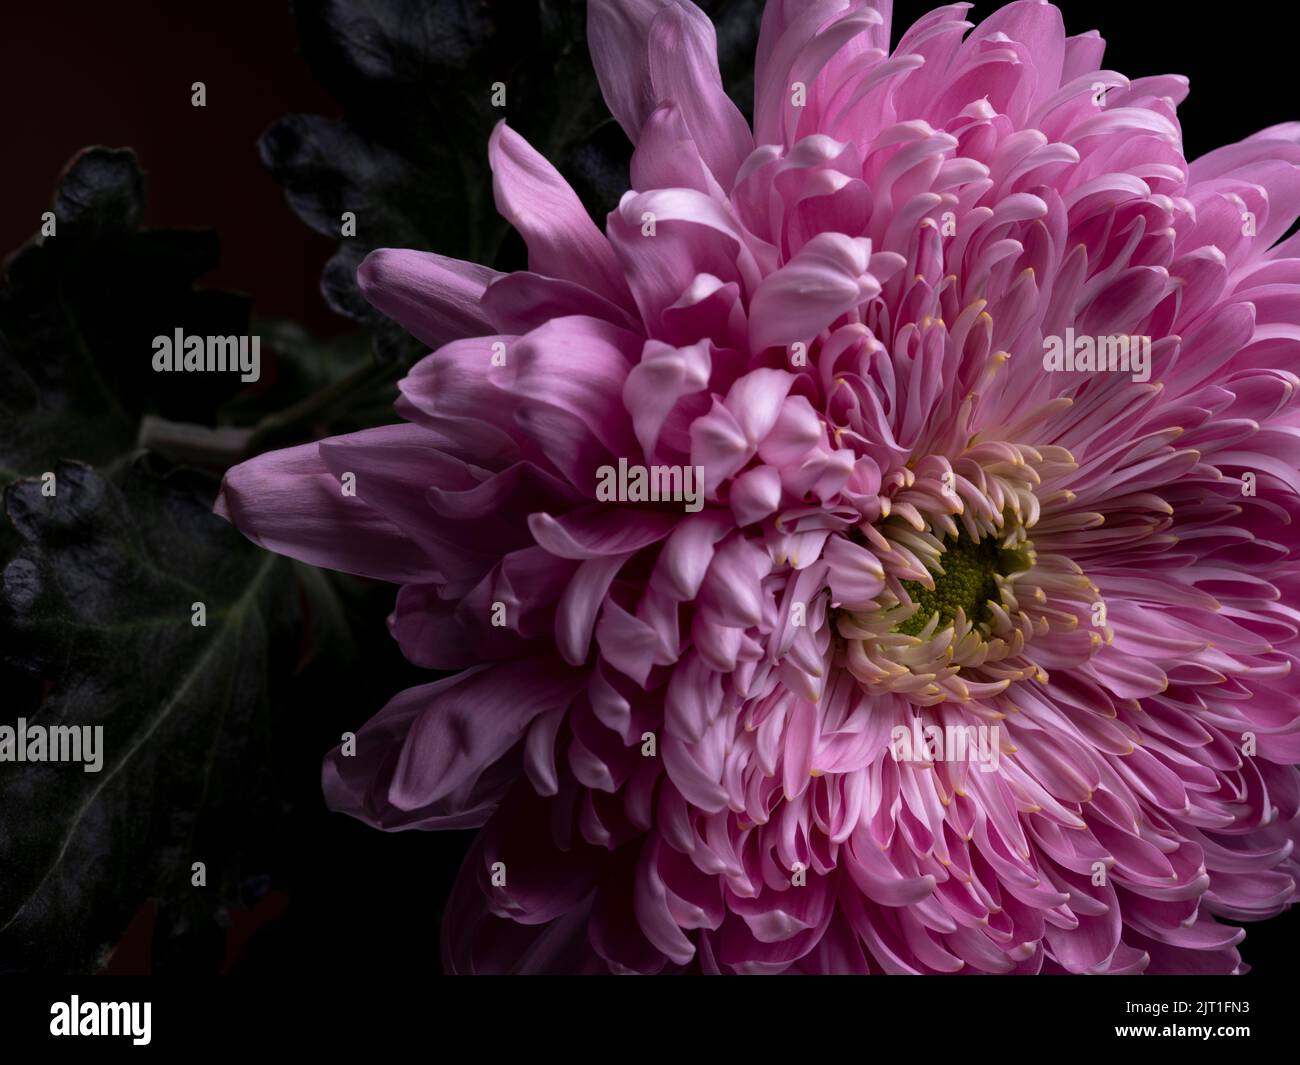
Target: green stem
(285, 423)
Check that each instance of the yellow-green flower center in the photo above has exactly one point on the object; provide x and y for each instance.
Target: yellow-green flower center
(967, 580)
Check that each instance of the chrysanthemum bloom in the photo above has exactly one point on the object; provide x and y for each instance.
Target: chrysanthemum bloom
(687, 731)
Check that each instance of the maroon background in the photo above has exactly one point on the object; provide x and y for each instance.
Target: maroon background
(119, 74)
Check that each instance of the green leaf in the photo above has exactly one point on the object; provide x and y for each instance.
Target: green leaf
(78, 313)
(98, 602)
(409, 156)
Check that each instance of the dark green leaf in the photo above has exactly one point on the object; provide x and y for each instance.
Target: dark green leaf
(98, 602)
(78, 314)
(409, 156)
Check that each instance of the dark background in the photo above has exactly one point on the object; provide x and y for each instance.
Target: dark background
(344, 897)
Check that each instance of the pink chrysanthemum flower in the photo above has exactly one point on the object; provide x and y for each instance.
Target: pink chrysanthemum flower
(689, 727)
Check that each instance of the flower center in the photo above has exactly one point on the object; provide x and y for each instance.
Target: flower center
(965, 581)
(966, 591)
